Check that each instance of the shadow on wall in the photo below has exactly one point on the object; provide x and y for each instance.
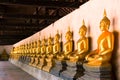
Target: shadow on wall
(4, 56)
(114, 59)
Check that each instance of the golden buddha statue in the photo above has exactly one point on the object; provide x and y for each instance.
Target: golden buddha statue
(37, 51)
(49, 55)
(82, 46)
(32, 53)
(57, 45)
(42, 54)
(102, 55)
(68, 46)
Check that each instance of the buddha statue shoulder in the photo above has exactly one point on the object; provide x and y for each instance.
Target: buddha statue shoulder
(102, 55)
(82, 46)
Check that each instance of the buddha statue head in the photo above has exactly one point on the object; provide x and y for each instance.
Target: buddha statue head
(43, 41)
(83, 29)
(57, 37)
(49, 40)
(38, 43)
(35, 44)
(105, 22)
(68, 35)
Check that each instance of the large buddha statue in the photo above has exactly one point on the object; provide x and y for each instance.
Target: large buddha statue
(67, 47)
(102, 55)
(82, 46)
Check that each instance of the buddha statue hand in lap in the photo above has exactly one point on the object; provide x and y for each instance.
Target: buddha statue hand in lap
(102, 55)
(82, 46)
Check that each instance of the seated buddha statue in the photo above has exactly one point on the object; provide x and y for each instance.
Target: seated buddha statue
(102, 55)
(82, 46)
(57, 45)
(49, 55)
(37, 53)
(67, 47)
(32, 54)
(42, 54)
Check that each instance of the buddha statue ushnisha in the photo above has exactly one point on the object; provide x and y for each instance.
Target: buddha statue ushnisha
(82, 46)
(68, 46)
(102, 55)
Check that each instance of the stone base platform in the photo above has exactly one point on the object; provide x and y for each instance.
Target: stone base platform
(56, 69)
(74, 70)
(96, 72)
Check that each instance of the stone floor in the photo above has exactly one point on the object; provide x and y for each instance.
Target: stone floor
(10, 72)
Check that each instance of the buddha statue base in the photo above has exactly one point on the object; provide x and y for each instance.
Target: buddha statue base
(32, 61)
(96, 72)
(48, 66)
(41, 63)
(28, 60)
(56, 69)
(36, 62)
(73, 71)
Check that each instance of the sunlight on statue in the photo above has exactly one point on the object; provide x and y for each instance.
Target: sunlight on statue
(102, 55)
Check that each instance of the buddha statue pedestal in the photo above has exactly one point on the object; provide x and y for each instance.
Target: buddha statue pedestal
(49, 64)
(56, 69)
(32, 60)
(41, 62)
(96, 72)
(73, 71)
(36, 61)
(27, 59)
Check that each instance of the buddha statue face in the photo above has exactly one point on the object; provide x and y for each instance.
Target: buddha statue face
(68, 36)
(104, 23)
(38, 43)
(82, 32)
(49, 40)
(57, 37)
(104, 26)
(43, 42)
(35, 44)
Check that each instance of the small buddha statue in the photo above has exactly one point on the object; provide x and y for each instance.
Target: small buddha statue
(42, 54)
(37, 51)
(57, 45)
(102, 55)
(49, 55)
(32, 53)
(68, 46)
(82, 46)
